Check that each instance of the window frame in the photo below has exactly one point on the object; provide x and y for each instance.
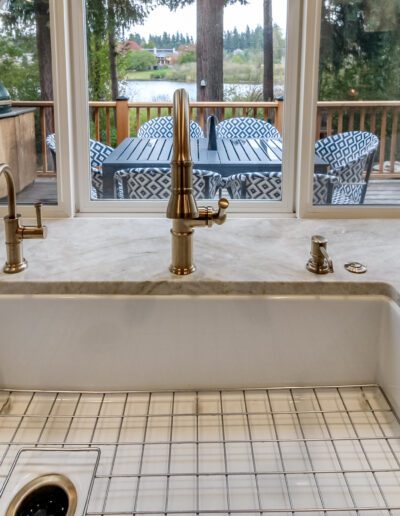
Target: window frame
(308, 83)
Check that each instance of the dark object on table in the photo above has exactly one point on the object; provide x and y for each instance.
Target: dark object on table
(212, 132)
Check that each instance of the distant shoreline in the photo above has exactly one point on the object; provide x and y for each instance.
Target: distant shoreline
(187, 82)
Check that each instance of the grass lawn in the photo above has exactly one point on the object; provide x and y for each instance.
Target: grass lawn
(140, 76)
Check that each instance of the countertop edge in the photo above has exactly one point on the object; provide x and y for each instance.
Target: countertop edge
(198, 288)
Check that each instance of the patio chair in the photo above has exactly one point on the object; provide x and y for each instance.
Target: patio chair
(245, 127)
(268, 186)
(155, 183)
(162, 127)
(98, 153)
(350, 156)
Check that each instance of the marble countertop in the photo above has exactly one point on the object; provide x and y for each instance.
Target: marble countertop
(244, 256)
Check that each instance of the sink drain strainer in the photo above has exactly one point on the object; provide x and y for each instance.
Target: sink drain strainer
(47, 495)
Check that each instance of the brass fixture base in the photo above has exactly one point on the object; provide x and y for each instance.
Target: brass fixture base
(182, 271)
(317, 268)
(13, 268)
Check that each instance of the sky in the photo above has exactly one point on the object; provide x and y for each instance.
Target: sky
(184, 20)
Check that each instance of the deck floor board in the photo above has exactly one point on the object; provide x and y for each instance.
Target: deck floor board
(386, 191)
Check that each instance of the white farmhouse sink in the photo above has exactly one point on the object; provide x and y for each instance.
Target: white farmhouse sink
(181, 342)
(256, 404)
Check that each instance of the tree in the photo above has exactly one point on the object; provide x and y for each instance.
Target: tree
(19, 19)
(268, 78)
(210, 45)
(360, 50)
(210, 75)
(140, 60)
(112, 18)
(19, 70)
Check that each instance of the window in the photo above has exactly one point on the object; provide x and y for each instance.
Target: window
(235, 80)
(27, 129)
(335, 67)
(357, 131)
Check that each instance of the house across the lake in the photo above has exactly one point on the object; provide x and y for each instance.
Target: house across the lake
(164, 55)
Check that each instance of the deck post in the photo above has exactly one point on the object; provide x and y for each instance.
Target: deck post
(122, 119)
(279, 114)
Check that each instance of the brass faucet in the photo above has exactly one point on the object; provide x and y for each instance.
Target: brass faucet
(182, 207)
(14, 231)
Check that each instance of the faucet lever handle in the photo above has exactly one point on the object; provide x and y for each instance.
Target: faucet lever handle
(38, 208)
(220, 216)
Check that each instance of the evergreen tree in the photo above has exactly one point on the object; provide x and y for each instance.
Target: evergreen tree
(360, 50)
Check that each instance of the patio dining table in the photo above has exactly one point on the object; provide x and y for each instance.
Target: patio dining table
(232, 156)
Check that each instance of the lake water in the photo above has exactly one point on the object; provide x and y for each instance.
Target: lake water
(162, 91)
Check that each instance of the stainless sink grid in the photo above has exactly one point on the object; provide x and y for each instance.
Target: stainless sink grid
(316, 450)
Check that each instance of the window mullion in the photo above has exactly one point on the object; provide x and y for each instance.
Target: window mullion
(308, 85)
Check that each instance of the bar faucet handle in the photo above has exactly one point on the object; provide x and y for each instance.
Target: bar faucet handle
(220, 216)
(327, 258)
(38, 208)
(38, 231)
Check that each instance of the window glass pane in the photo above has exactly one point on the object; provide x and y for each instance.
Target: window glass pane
(357, 137)
(27, 140)
(232, 59)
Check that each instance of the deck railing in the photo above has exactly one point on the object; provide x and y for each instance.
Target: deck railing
(111, 122)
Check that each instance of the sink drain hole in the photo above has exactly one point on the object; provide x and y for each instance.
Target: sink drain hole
(48, 495)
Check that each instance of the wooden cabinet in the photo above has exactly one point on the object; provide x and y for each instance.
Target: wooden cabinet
(18, 148)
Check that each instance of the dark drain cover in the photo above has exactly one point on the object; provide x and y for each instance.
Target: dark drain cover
(45, 501)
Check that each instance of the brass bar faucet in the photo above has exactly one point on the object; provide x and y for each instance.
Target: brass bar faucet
(182, 207)
(14, 231)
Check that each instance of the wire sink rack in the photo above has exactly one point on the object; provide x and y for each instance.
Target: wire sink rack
(285, 451)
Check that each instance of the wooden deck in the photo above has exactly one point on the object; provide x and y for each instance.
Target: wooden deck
(381, 192)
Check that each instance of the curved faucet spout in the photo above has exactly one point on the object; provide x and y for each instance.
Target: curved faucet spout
(182, 204)
(5, 169)
(181, 152)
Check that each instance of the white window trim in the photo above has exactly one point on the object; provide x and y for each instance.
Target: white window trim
(308, 80)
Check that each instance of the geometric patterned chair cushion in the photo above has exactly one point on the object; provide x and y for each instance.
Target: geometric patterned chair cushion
(162, 127)
(349, 155)
(51, 142)
(98, 153)
(244, 127)
(268, 186)
(155, 183)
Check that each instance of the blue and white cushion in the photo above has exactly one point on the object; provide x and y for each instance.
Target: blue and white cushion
(162, 127)
(155, 183)
(246, 127)
(255, 185)
(350, 156)
(268, 186)
(51, 142)
(98, 153)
